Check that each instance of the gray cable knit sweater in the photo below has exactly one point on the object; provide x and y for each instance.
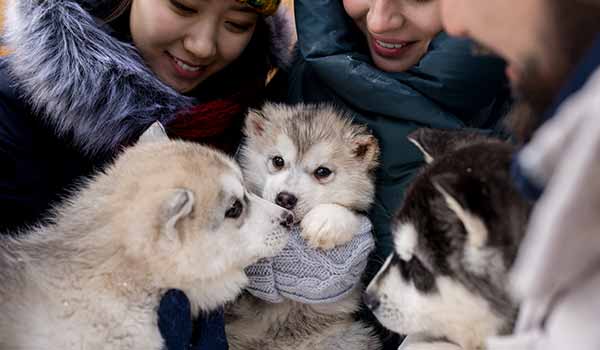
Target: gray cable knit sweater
(309, 275)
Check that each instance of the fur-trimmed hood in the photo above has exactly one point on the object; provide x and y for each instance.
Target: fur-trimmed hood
(90, 86)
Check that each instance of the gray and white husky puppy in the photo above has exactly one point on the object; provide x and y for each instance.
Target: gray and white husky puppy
(456, 235)
(313, 161)
(167, 214)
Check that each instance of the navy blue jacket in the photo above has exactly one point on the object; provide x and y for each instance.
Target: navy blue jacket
(37, 167)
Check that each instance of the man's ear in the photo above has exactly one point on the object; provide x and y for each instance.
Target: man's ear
(155, 133)
(449, 186)
(255, 124)
(177, 205)
(365, 147)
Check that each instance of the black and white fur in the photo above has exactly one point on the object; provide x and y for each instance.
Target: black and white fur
(456, 235)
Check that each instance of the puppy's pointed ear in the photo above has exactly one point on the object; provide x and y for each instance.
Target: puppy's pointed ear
(456, 199)
(256, 123)
(429, 142)
(177, 205)
(365, 147)
(434, 143)
(155, 133)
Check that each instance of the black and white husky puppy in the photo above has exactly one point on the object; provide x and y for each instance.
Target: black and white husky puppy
(456, 235)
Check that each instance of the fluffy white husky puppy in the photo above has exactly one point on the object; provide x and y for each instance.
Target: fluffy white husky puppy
(166, 214)
(313, 161)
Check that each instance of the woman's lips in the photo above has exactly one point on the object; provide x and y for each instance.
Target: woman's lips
(186, 70)
(391, 49)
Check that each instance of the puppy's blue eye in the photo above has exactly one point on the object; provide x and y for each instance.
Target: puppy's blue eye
(278, 162)
(235, 210)
(322, 173)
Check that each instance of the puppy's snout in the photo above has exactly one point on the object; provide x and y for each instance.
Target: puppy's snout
(286, 200)
(287, 220)
(371, 301)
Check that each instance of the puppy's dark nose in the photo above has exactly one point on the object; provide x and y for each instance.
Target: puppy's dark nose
(371, 301)
(287, 220)
(286, 200)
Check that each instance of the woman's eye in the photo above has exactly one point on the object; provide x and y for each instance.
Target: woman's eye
(322, 173)
(277, 162)
(181, 7)
(238, 27)
(235, 210)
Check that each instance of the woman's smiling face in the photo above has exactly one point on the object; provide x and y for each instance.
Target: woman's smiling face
(186, 41)
(398, 31)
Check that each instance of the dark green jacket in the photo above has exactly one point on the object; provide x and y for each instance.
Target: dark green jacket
(449, 88)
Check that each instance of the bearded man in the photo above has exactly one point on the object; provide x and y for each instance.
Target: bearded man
(553, 52)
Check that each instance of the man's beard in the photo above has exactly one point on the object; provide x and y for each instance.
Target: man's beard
(532, 95)
(574, 27)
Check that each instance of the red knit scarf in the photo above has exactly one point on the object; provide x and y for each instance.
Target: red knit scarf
(216, 123)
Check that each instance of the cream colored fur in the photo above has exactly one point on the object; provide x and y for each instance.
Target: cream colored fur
(329, 225)
(424, 342)
(154, 220)
(253, 324)
(307, 137)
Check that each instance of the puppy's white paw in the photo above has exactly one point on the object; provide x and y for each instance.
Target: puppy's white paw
(329, 225)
